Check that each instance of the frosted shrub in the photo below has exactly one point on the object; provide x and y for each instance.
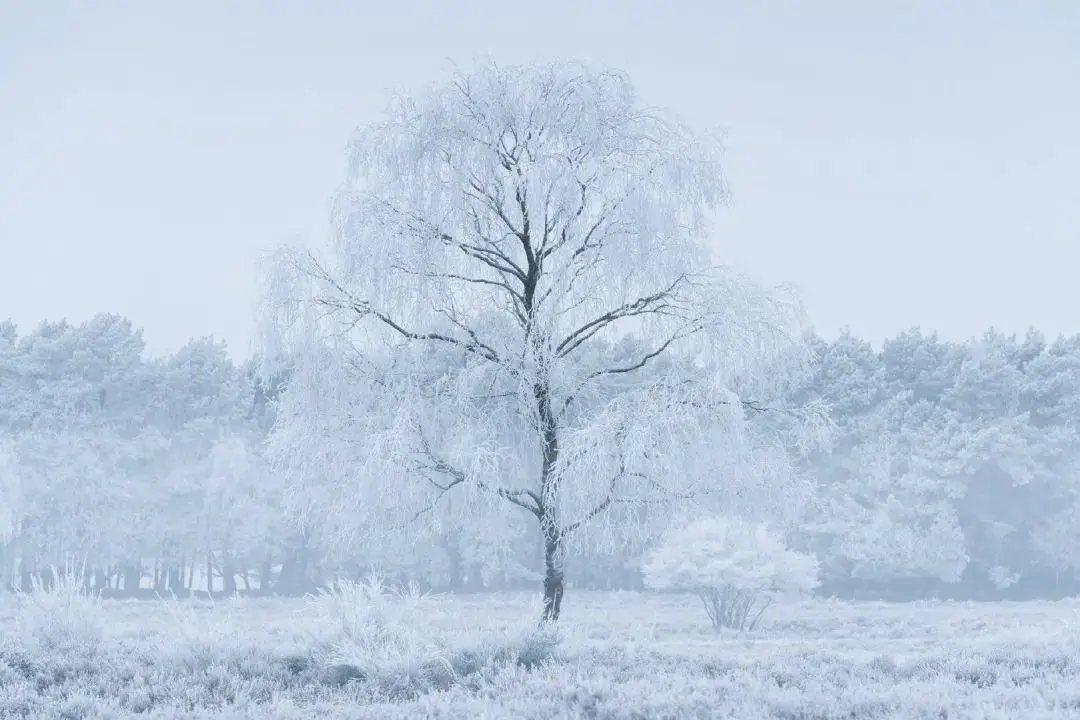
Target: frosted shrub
(66, 616)
(386, 639)
(735, 567)
(375, 634)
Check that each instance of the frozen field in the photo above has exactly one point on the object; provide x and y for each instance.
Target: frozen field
(622, 655)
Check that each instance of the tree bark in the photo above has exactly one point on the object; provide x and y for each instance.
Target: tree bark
(228, 574)
(5, 584)
(554, 573)
(266, 574)
(457, 570)
(26, 576)
(132, 578)
(175, 579)
(295, 577)
(550, 526)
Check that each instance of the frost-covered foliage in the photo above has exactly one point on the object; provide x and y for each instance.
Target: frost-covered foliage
(625, 656)
(955, 464)
(10, 494)
(378, 633)
(64, 616)
(736, 568)
(114, 459)
(521, 306)
(902, 520)
(370, 633)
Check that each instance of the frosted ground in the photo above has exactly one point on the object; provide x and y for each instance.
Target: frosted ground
(622, 655)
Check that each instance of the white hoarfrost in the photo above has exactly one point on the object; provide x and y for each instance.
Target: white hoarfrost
(737, 568)
(10, 493)
(521, 305)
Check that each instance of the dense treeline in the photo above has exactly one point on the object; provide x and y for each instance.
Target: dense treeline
(955, 467)
(953, 471)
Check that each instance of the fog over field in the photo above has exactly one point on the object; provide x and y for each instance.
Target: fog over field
(712, 362)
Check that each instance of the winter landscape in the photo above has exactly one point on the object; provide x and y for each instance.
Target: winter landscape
(514, 438)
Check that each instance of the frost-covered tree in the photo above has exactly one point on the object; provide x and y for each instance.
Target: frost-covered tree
(10, 509)
(240, 510)
(735, 567)
(520, 304)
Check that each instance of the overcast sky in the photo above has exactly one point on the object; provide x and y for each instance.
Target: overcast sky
(904, 163)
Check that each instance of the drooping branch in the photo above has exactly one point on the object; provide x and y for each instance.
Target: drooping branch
(435, 463)
(638, 364)
(501, 284)
(658, 303)
(363, 309)
(472, 346)
(604, 504)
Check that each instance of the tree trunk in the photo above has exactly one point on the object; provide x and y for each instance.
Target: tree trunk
(5, 553)
(457, 569)
(295, 576)
(475, 580)
(550, 490)
(132, 578)
(554, 572)
(228, 574)
(266, 574)
(175, 578)
(26, 576)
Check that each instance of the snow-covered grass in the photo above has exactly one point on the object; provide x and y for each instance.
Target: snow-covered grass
(66, 618)
(358, 654)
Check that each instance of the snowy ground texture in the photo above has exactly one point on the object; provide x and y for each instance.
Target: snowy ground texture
(621, 655)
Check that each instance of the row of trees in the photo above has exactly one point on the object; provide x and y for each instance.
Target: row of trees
(146, 469)
(954, 469)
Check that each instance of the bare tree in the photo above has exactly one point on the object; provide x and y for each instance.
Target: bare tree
(520, 303)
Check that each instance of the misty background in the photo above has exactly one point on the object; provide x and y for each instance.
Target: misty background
(903, 163)
(905, 166)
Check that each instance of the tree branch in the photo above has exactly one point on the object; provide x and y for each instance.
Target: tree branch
(363, 309)
(655, 304)
(458, 477)
(624, 369)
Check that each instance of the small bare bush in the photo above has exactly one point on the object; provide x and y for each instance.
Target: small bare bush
(735, 567)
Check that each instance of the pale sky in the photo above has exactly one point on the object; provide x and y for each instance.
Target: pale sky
(903, 163)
